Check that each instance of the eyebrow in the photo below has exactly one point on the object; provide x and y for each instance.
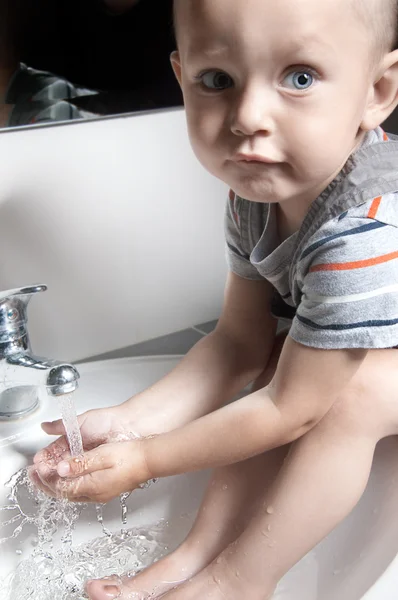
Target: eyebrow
(215, 51)
(210, 50)
(308, 42)
(304, 44)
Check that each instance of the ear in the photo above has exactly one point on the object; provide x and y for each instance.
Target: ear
(383, 97)
(176, 64)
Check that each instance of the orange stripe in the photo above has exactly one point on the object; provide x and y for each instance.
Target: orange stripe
(385, 137)
(374, 208)
(359, 264)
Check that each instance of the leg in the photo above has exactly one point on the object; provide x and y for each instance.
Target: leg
(230, 500)
(321, 481)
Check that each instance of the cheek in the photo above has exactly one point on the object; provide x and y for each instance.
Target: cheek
(323, 137)
(205, 118)
(205, 131)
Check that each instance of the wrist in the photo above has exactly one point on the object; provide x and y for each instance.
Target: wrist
(145, 472)
(151, 415)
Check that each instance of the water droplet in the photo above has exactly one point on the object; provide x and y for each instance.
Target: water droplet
(224, 487)
(19, 552)
(123, 499)
(269, 527)
(270, 510)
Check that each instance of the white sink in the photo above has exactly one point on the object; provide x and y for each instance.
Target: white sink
(357, 561)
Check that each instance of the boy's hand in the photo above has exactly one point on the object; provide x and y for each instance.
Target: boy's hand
(96, 427)
(98, 476)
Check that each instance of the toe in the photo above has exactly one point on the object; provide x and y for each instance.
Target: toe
(98, 589)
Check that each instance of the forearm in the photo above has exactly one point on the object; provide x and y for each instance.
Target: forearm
(212, 373)
(234, 433)
(301, 393)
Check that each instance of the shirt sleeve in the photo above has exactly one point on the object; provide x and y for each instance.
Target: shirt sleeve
(238, 256)
(349, 286)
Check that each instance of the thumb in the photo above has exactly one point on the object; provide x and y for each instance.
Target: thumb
(94, 460)
(54, 427)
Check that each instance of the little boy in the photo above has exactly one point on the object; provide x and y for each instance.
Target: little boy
(284, 102)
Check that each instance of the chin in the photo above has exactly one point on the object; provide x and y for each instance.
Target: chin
(256, 191)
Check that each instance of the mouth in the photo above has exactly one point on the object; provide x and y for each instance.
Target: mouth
(254, 158)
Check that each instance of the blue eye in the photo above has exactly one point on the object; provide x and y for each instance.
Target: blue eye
(301, 80)
(216, 80)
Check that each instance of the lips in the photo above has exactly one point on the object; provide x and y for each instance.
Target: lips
(254, 158)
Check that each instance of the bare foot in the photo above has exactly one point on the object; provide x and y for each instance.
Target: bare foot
(153, 582)
(218, 582)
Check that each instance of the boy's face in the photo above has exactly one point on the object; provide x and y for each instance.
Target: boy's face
(275, 91)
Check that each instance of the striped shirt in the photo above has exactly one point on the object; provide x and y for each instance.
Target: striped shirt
(337, 277)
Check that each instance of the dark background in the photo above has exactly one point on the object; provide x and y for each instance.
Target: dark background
(125, 56)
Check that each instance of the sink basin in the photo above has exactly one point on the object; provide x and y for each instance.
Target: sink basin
(356, 562)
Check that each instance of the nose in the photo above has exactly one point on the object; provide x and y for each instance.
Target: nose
(252, 113)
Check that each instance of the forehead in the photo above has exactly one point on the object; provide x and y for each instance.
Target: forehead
(210, 25)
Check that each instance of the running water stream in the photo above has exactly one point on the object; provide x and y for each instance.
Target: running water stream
(71, 424)
(59, 570)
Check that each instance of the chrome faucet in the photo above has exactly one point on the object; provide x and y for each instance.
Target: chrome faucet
(23, 375)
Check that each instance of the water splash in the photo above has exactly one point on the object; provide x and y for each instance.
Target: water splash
(62, 576)
(59, 570)
(32, 507)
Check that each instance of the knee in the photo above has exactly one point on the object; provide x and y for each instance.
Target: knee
(351, 410)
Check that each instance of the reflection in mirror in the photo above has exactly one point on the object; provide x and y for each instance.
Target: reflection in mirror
(77, 59)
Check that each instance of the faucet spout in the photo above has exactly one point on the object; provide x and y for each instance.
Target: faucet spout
(24, 369)
(62, 379)
(21, 377)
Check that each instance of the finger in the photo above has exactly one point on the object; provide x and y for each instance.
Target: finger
(94, 460)
(98, 487)
(39, 483)
(49, 478)
(54, 427)
(53, 453)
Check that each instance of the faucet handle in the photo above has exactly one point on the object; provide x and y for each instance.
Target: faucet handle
(13, 305)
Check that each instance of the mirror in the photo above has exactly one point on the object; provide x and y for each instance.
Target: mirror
(64, 60)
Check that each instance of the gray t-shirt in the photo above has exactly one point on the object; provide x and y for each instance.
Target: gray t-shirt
(337, 277)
